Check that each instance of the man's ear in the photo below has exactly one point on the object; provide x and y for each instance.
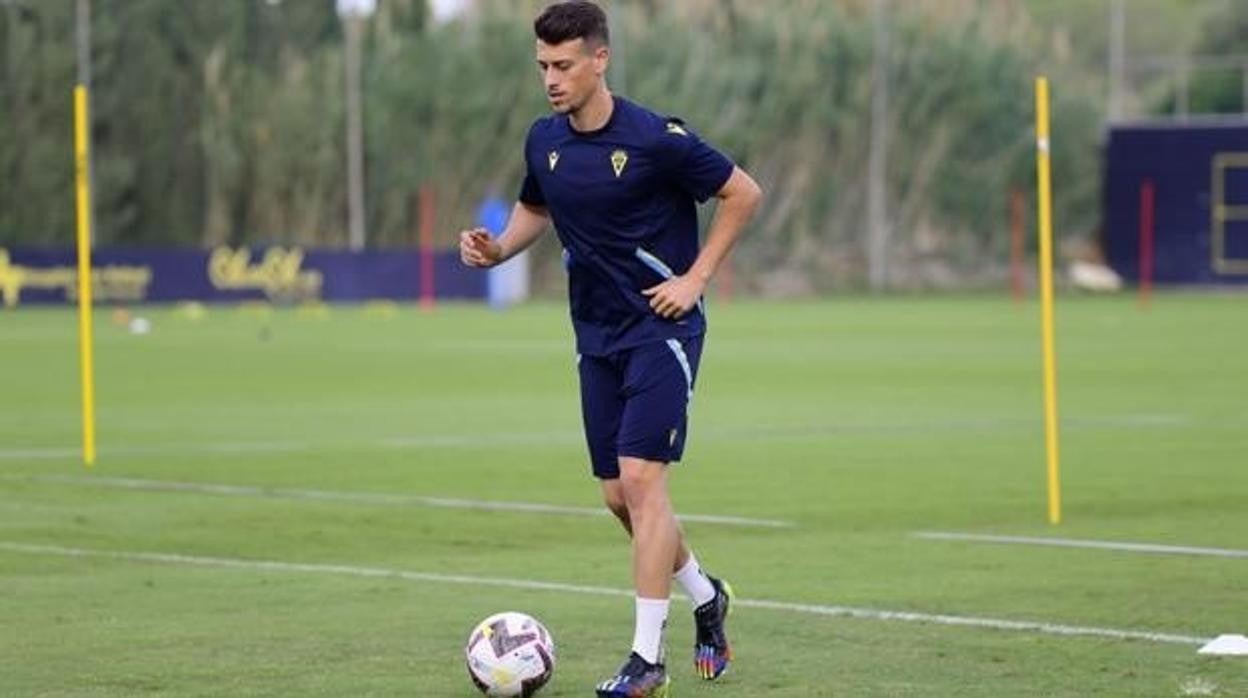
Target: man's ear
(602, 57)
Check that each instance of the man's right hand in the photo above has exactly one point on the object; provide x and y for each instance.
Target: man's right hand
(478, 249)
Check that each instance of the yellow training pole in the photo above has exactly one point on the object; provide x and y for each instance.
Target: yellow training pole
(1046, 298)
(82, 177)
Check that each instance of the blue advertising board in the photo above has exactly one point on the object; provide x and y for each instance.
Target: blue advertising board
(276, 274)
(1199, 174)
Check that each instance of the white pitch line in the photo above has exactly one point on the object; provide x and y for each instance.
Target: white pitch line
(808, 609)
(367, 498)
(569, 438)
(38, 453)
(55, 453)
(493, 440)
(1152, 548)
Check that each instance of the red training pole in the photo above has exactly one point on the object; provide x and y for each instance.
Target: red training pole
(427, 296)
(1016, 244)
(1147, 210)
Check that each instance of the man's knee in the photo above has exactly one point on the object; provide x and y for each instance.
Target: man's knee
(640, 480)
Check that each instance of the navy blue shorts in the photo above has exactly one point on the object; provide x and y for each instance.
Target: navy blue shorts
(635, 402)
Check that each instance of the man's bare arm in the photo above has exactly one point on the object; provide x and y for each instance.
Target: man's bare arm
(738, 199)
(524, 227)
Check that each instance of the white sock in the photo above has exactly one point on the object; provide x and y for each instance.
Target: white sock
(648, 636)
(695, 584)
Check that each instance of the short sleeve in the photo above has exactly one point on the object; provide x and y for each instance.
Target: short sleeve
(691, 163)
(530, 190)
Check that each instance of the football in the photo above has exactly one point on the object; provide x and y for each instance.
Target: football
(510, 654)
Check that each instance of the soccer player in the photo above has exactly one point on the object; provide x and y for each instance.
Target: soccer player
(621, 184)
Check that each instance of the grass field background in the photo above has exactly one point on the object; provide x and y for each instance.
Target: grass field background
(859, 421)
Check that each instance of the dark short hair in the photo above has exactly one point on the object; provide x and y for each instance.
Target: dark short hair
(575, 19)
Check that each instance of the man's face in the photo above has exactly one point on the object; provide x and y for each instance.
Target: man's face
(571, 72)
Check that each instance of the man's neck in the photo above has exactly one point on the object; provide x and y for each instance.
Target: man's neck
(596, 112)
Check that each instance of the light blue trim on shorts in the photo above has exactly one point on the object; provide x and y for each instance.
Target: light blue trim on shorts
(679, 351)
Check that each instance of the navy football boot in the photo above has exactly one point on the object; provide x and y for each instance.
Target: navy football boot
(636, 679)
(711, 651)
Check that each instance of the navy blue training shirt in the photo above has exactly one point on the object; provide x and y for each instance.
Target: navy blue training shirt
(624, 201)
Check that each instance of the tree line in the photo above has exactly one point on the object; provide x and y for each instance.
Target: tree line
(223, 122)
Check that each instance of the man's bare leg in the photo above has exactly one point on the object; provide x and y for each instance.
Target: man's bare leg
(613, 497)
(712, 653)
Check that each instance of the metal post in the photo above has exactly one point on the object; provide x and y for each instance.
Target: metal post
(1117, 57)
(1243, 102)
(355, 134)
(877, 224)
(83, 41)
(353, 14)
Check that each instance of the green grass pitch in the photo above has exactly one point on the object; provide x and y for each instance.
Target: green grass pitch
(859, 421)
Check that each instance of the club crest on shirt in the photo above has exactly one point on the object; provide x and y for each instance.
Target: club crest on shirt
(553, 157)
(618, 160)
